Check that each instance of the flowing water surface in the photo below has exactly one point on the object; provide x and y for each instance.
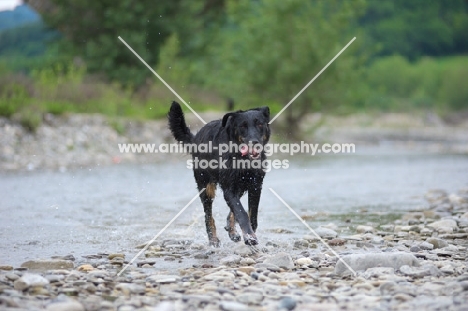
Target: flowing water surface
(113, 209)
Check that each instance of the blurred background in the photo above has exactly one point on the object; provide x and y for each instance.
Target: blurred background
(64, 56)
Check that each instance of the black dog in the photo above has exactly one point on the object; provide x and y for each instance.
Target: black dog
(236, 128)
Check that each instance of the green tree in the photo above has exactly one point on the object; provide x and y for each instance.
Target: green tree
(271, 49)
(91, 29)
(418, 27)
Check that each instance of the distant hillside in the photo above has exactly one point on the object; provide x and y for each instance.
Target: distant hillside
(21, 15)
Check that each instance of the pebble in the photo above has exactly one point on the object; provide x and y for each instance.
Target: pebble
(378, 272)
(426, 246)
(437, 243)
(233, 306)
(6, 268)
(336, 242)
(250, 298)
(282, 260)
(162, 278)
(86, 268)
(116, 255)
(365, 229)
(287, 303)
(326, 233)
(426, 270)
(247, 261)
(304, 261)
(65, 306)
(30, 280)
(243, 250)
(444, 224)
(246, 270)
(230, 260)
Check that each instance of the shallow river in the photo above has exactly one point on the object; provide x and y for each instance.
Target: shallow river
(113, 209)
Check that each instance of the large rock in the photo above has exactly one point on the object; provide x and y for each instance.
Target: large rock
(52, 264)
(282, 260)
(362, 262)
(30, 280)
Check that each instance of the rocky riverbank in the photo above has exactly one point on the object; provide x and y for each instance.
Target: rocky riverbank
(79, 140)
(417, 262)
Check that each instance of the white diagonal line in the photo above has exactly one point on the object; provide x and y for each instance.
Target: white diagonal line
(313, 231)
(162, 80)
(310, 82)
(159, 233)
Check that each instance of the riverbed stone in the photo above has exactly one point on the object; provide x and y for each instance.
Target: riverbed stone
(162, 278)
(233, 306)
(48, 264)
(362, 262)
(29, 280)
(326, 233)
(437, 243)
(365, 229)
(230, 260)
(443, 224)
(378, 272)
(282, 260)
(287, 303)
(425, 270)
(70, 305)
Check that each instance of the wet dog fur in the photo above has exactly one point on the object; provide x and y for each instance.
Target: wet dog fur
(237, 127)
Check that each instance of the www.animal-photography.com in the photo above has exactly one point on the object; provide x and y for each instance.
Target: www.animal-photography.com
(233, 155)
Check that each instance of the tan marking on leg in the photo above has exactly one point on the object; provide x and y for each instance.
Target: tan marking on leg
(232, 221)
(211, 190)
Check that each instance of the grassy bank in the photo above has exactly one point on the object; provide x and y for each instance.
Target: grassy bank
(390, 84)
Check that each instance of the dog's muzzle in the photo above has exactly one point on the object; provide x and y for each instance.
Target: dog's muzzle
(253, 151)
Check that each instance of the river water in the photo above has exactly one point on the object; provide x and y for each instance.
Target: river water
(113, 209)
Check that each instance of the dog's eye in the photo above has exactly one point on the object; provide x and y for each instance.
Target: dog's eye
(244, 125)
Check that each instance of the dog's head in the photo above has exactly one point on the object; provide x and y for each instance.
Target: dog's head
(249, 127)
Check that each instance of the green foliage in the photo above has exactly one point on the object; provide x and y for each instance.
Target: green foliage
(418, 27)
(270, 49)
(13, 96)
(92, 29)
(30, 118)
(396, 84)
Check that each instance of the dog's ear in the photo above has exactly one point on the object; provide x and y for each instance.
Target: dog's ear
(226, 118)
(265, 110)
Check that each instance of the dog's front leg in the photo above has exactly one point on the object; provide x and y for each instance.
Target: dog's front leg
(242, 217)
(254, 200)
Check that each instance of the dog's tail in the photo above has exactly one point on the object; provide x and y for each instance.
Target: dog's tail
(177, 124)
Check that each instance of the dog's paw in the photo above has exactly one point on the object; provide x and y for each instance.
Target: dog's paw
(250, 239)
(215, 242)
(235, 237)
